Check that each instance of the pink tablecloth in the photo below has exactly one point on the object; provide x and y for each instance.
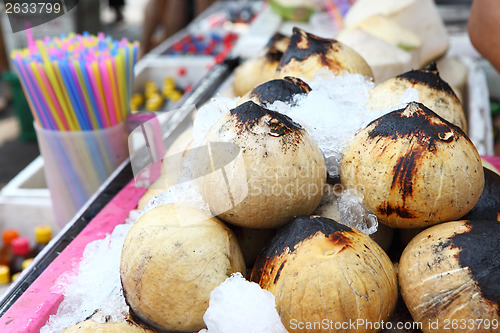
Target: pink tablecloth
(494, 160)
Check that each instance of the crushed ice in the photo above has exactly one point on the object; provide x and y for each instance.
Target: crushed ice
(353, 213)
(186, 193)
(238, 305)
(96, 286)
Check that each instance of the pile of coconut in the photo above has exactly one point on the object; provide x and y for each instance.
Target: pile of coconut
(266, 192)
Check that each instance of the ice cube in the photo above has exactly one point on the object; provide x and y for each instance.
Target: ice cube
(354, 213)
(209, 114)
(238, 305)
(332, 113)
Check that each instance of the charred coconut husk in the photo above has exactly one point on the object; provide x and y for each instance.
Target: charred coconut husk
(318, 268)
(414, 168)
(308, 53)
(451, 273)
(433, 92)
(279, 172)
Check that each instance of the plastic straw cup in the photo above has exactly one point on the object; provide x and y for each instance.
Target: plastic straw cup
(76, 163)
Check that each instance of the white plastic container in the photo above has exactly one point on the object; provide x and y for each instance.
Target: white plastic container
(25, 201)
(77, 163)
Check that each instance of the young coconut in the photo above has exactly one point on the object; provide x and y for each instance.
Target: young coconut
(488, 205)
(260, 69)
(172, 258)
(318, 268)
(308, 53)
(450, 273)
(282, 90)
(280, 172)
(433, 92)
(414, 168)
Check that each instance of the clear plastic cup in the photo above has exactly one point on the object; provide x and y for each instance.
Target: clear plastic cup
(76, 163)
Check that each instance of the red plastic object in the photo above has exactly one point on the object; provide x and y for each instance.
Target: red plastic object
(21, 246)
(182, 71)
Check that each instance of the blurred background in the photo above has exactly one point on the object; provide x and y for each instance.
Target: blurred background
(18, 146)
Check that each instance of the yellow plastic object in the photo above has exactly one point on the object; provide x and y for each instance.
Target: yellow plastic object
(154, 102)
(26, 263)
(136, 101)
(14, 277)
(168, 83)
(150, 88)
(4, 274)
(174, 95)
(43, 234)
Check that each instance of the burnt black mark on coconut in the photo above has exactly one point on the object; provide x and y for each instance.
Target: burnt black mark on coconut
(388, 210)
(276, 40)
(279, 90)
(130, 320)
(416, 121)
(479, 252)
(403, 172)
(300, 229)
(488, 205)
(135, 318)
(287, 238)
(302, 45)
(273, 55)
(428, 76)
(338, 238)
(248, 115)
(144, 323)
(263, 269)
(341, 240)
(278, 273)
(423, 128)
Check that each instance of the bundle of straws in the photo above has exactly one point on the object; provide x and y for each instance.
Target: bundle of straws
(78, 88)
(77, 82)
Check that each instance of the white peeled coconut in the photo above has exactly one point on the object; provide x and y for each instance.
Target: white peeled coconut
(390, 31)
(385, 59)
(279, 172)
(422, 17)
(414, 168)
(172, 258)
(307, 54)
(433, 92)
